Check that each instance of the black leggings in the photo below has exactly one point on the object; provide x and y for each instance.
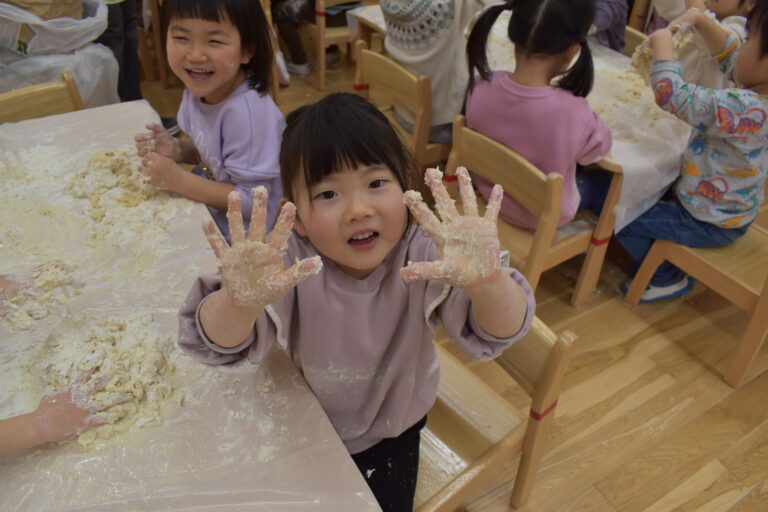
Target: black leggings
(390, 468)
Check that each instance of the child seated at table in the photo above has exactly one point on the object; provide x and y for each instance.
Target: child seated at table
(711, 21)
(222, 51)
(355, 292)
(427, 38)
(552, 126)
(725, 163)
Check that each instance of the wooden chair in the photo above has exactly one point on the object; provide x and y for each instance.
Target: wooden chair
(324, 36)
(532, 252)
(632, 39)
(41, 100)
(387, 84)
(472, 432)
(638, 16)
(738, 272)
(274, 77)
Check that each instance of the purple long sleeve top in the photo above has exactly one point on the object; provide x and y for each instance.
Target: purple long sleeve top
(364, 346)
(239, 140)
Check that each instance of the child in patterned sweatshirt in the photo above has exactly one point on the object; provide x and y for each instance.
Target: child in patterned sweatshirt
(354, 292)
(725, 163)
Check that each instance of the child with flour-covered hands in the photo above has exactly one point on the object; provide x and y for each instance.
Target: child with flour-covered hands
(222, 51)
(354, 257)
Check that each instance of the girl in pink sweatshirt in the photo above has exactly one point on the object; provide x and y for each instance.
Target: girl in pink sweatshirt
(355, 290)
(540, 109)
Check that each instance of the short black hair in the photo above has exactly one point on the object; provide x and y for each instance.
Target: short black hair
(248, 18)
(341, 130)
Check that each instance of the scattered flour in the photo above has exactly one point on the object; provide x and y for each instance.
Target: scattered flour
(127, 358)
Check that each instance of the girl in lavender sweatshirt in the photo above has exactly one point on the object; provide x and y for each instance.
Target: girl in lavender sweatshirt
(354, 292)
(221, 50)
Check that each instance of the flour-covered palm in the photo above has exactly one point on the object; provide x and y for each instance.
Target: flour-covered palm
(467, 244)
(252, 269)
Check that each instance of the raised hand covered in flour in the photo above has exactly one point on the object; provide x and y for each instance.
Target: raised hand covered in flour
(252, 269)
(467, 244)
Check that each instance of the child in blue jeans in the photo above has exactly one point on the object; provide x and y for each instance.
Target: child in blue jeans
(725, 164)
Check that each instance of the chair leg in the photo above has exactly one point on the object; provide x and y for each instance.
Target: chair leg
(533, 449)
(320, 66)
(653, 259)
(590, 273)
(750, 344)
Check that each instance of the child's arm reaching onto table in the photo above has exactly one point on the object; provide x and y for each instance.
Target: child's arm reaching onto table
(161, 155)
(468, 254)
(58, 417)
(252, 270)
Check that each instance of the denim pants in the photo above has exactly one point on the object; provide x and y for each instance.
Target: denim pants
(669, 220)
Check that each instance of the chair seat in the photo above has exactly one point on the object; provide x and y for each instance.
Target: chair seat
(744, 264)
(468, 419)
(567, 239)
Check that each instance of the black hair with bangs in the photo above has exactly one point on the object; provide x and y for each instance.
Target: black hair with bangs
(341, 130)
(248, 18)
(757, 25)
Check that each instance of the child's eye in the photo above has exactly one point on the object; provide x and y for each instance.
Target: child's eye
(326, 194)
(378, 183)
(214, 41)
(180, 39)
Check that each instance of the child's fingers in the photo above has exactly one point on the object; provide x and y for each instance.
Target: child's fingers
(468, 199)
(258, 229)
(443, 202)
(215, 240)
(426, 270)
(494, 203)
(424, 215)
(299, 271)
(235, 217)
(155, 128)
(282, 230)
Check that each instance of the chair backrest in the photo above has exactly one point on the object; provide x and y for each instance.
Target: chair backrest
(389, 84)
(520, 179)
(472, 431)
(632, 39)
(539, 356)
(41, 100)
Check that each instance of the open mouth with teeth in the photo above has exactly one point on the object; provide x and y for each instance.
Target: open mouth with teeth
(363, 238)
(199, 74)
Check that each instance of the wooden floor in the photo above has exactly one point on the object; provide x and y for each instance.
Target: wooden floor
(645, 421)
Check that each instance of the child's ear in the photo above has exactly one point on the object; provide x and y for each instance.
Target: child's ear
(246, 57)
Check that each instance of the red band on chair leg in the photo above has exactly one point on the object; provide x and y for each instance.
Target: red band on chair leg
(450, 177)
(539, 416)
(601, 241)
(360, 87)
(320, 13)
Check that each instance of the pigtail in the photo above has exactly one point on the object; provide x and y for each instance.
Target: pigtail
(477, 41)
(580, 77)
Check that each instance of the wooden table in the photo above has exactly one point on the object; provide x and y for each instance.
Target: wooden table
(252, 439)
